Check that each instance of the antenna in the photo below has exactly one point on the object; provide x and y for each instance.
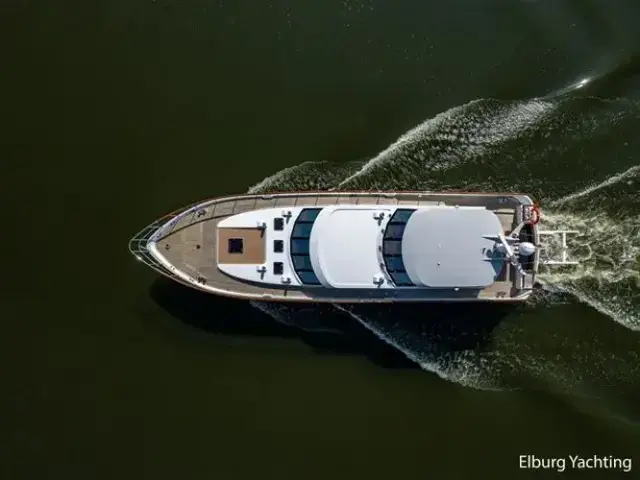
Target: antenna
(512, 248)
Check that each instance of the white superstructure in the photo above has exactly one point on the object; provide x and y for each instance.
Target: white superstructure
(373, 247)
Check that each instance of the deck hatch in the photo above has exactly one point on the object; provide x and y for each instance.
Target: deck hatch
(392, 247)
(235, 245)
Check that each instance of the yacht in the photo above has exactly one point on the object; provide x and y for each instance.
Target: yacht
(351, 247)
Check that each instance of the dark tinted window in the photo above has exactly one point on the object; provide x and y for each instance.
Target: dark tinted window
(278, 246)
(391, 247)
(278, 268)
(278, 223)
(309, 278)
(302, 230)
(394, 231)
(401, 279)
(236, 245)
(299, 246)
(402, 215)
(301, 262)
(308, 215)
(394, 263)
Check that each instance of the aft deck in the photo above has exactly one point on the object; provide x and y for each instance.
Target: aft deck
(188, 240)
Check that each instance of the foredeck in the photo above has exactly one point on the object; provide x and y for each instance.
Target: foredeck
(189, 243)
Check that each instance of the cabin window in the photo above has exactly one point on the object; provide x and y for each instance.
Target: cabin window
(302, 230)
(308, 277)
(299, 247)
(278, 268)
(278, 246)
(278, 223)
(394, 232)
(308, 215)
(401, 279)
(402, 215)
(302, 262)
(392, 247)
(394, 264)
(236, 245)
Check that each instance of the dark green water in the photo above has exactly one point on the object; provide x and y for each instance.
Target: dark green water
(115, 113)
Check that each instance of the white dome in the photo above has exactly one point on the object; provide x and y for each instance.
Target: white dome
(527, 248)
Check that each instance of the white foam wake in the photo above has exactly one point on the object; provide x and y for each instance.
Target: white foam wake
(608, 277)
(458, 369)
(627, 174)
(272, 181)
(459, 134)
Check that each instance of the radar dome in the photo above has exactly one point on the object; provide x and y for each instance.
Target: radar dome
(527, 248)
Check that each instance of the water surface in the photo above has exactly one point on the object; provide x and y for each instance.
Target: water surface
(115, 113)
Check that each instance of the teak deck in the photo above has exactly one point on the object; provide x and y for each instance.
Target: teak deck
(255, 247)
(190, 244)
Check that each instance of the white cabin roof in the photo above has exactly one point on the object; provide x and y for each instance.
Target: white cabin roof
(445, 248)
(345, 246)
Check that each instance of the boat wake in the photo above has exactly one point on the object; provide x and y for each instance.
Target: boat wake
(608, 277)
(552, 148)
